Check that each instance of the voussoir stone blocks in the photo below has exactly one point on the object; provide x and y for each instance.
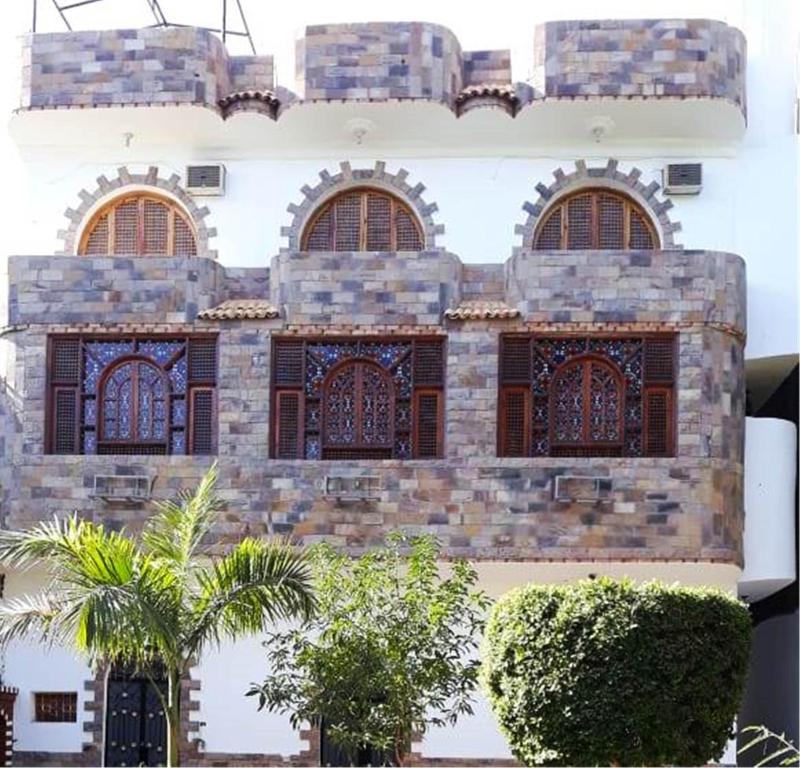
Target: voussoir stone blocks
(684, 58)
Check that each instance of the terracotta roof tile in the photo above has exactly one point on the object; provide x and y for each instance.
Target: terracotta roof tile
(240, 309)
(482, 310)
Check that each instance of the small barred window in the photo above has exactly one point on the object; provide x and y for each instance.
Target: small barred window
(357, 398)
(140, 224)
(56, 707)
(595, 219)
(363, 220)
(132, 395)
(586, 396)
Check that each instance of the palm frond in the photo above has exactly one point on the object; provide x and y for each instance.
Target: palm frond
(781, 747)
(49, 542)
(29, 616)
(175, 532)
(257, 583)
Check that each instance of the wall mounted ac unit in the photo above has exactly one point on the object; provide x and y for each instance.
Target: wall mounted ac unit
(582, 488)
(353, 488)
(205, 179)
(130, 488)
(683, 178)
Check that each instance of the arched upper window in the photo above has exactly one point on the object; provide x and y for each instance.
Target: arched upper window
(363, 220)
(140, 224)
(595, 219)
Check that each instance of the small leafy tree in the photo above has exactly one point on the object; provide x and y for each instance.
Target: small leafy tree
(610, 673)
(155, 602)
(390, 652)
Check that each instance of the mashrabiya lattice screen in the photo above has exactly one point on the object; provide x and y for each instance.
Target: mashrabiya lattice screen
(132, 395)
(586, 396)
(139, 224)
(357, 398)
(363, 219)
(596, 219)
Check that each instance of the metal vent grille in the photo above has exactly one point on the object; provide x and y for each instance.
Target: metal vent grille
(205, 179)
(683, 178)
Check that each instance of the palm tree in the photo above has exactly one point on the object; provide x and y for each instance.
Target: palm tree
(153, 602)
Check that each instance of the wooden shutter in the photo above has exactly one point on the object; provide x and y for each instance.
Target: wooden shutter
(427, 430)
(658, 422)
(641, 233)
(408, 235)
(610, 222)
(515, 422)
(65, 420)
(155, 227)
(549, 238)
(65, 361)
(659, 359)
(288, 364)
(185, 243)
(515, 360)
(320, 234)
(378, 223)
(579, 222)
(288, 425)
(348, 222)
(203, 360)
(202, 420)
(126, 228)
(97, 243)
(428, 363)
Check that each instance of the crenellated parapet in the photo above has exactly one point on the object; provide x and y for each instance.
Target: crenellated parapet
(385, 62)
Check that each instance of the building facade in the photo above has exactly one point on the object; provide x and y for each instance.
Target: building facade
(408, 293)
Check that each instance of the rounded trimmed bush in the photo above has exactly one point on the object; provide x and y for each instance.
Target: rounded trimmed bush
(610, 673)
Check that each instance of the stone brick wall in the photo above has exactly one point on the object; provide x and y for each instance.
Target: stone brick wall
(387, 60)
(364, 288)
(179, 65)
(689, 506)
(640, 57)
(379, 60)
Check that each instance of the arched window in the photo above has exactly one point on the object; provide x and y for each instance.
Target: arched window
(133, 405)
(363, 220)
(358, 412)
(595, 219)
(586, 405)
(140, 224)
(587, 395)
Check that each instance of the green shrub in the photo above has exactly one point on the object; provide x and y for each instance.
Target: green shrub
(609, 673)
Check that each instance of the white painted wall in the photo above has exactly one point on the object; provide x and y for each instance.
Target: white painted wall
(231, 721)
(770, 480)
(33, 668)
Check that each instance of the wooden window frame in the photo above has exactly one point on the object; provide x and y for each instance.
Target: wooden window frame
(279, 389)
(630, 206)
(55, 706)
(129, 447)
(174, 211)
(665, 382)
(364, 191)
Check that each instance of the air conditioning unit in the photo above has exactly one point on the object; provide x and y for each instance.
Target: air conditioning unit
(353, 488)
(205, 179)
(683, 178)
(582, 488)
(130, 488)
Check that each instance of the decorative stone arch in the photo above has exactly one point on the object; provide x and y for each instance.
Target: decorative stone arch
(126, 182)
(331, 185)
(608, 176)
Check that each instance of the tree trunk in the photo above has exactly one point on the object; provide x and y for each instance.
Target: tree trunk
(173, 714)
